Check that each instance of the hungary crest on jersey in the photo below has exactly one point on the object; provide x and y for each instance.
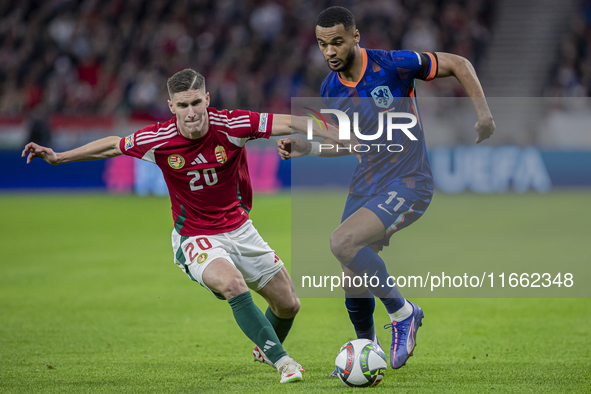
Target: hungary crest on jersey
(176, 161)
(220, 154)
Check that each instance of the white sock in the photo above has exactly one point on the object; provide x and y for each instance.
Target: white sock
(401, 313)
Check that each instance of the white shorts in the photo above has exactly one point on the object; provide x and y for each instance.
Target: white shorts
(244, 248)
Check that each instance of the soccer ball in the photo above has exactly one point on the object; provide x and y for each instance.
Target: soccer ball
(361, 363)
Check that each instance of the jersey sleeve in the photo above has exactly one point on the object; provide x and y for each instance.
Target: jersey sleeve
(244, 124)
(410, 65)
(129, 145)
(429, 66)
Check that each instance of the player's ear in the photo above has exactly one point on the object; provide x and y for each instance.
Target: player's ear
(171, 107)
(356, 36)
(207, 99)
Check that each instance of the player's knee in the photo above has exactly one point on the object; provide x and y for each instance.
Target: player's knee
(294, 308)
(288, 309)
(233, 287)
(341, 246)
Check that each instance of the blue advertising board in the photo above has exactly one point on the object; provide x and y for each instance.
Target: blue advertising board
(480, 169)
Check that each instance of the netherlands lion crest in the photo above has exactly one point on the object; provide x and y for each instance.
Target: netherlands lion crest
(382, 96)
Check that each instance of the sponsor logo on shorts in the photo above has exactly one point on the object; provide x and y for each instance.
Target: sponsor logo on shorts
(276, 258)
(220, 154)
(176, 161)
(201, 258)
(129, 142)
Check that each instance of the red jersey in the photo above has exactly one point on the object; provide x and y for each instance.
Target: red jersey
(207, 178)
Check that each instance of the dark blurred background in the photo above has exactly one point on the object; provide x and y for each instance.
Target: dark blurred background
(100, 57)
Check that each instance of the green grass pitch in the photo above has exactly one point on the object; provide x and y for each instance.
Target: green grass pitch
(90, 301)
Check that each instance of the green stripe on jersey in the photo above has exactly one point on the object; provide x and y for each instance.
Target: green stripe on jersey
(180, 220)
(240, 199)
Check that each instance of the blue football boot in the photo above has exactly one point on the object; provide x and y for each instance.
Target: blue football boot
(404, 336)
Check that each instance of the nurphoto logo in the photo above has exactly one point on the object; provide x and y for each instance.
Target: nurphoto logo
(344, 126)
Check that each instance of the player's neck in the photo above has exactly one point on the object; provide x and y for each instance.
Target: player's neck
(356, 69)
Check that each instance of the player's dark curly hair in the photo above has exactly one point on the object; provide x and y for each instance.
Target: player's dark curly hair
(336, 15)
(187, 79)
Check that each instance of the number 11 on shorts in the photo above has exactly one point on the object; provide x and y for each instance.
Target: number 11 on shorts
(392, 196)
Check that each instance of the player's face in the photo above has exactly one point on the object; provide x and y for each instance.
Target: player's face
(338, 46)
(190, 108)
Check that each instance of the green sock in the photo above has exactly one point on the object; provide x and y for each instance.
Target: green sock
(255, 325)
(281, 326)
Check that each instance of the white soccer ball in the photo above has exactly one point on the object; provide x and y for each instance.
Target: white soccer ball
(361, 363)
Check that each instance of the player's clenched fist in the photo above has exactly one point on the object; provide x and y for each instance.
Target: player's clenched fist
(484, 129)
(290, 148)
(42, 152)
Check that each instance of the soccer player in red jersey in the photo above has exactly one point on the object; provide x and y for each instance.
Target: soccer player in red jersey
(202, 156)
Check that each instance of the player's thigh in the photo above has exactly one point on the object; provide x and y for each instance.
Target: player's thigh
(360, 229)
(255, 259)
(397, 207)
(377, 218)
(194, 254)
(280, 294)
(221, 276)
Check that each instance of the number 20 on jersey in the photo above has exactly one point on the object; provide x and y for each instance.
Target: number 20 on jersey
(209, 176)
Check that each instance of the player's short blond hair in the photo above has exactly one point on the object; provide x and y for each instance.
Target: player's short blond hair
(187, 79)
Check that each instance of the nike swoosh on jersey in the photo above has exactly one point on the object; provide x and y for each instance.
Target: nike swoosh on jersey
(381, 207)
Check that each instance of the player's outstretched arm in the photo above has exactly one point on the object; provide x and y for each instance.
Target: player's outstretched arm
(287, 125)
(99, 149)
(462, 69)
(290, 148)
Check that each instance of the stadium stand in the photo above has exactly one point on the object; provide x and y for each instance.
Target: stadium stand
(571, 74)
(105, 57)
